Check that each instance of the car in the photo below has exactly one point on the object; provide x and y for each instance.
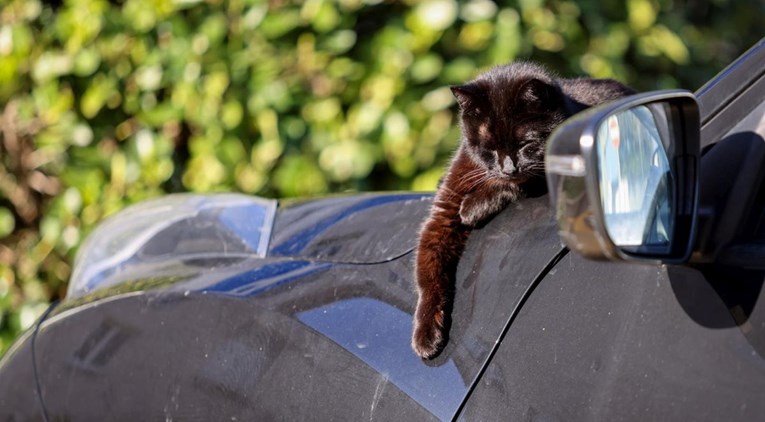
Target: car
(232, 307)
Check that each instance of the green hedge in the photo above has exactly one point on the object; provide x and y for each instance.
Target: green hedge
(108, 103)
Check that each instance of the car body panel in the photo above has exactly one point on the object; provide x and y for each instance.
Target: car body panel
(18, 389)
(608, 341)
(243, 337)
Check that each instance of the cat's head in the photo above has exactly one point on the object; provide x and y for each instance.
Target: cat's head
(506, 116)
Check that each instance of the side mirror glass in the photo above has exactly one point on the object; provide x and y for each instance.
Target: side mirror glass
(635, 179)
(622, 177)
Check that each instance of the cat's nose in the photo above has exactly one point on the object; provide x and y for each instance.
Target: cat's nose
(508, 167)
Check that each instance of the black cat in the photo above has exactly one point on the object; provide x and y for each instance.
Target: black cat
(507, 114)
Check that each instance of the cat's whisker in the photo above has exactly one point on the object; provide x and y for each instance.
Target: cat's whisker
(473, 180)
(479, 182)
(476, 176)
(474, 173)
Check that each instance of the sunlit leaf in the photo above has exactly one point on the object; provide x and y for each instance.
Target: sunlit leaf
(52, 65)
(299, 176)
(7, 222)
(436, 14)
(642, 14)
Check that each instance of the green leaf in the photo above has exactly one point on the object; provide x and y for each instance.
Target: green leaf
(7, 222)
(642, 14)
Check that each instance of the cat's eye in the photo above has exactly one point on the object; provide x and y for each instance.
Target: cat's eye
(623, 178)
(530, 138)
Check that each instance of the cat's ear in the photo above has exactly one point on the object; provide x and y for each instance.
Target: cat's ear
(538, 95)
(466, 95)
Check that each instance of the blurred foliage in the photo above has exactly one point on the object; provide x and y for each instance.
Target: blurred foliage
(107, 103)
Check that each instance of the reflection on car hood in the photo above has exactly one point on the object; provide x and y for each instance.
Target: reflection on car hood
(181, 235)
(358, 229)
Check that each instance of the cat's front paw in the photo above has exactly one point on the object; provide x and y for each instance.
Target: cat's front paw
(473, 211)
(430, 332)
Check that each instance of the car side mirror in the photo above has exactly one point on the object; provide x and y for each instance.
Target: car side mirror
(623, 178)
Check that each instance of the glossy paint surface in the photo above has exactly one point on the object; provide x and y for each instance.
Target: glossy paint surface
(606, 341)
(288, 337)
(354, 229)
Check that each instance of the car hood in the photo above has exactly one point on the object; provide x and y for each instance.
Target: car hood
(299, 334)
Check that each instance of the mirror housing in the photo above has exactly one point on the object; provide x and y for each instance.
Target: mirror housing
(623, 178)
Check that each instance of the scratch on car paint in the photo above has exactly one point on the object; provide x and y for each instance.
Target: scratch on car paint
(378, 394)
(173, 403)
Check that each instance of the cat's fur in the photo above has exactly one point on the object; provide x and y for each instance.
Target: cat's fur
(506, 116)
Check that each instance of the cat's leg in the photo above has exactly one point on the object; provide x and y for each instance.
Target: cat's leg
(442, 240)
(485, 202)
